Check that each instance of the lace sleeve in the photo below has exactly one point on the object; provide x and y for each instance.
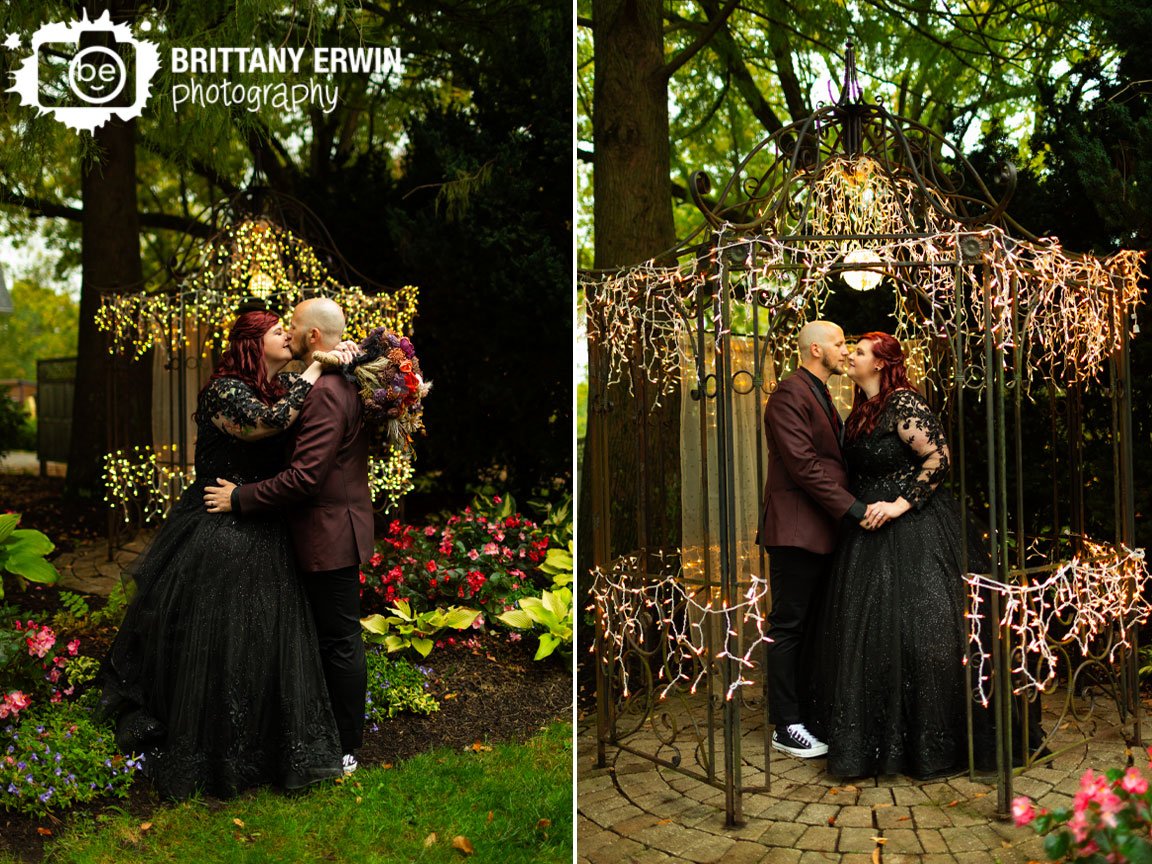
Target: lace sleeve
(920, 430)
(234, 409)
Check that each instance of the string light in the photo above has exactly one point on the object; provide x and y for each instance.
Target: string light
(1068, 311)
(671, 606)
(1083, 598)
(254, 257)
(251, 258)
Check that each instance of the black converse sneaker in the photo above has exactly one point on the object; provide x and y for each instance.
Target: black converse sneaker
(795, 740)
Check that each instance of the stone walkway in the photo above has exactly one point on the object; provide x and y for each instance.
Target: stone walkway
(88, 570)
(636, 812)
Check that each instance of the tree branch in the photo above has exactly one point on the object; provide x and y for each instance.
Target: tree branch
(581, 21)
(55, 210)
(199, 166)
(585, 155)
(700, 41)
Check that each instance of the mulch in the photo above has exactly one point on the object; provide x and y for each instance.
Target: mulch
(43, 506)
(492, 691)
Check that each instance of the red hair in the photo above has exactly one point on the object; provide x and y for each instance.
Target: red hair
(893, 377)
(244, 358)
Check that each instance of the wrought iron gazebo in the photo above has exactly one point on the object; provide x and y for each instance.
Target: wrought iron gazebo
(989, 314)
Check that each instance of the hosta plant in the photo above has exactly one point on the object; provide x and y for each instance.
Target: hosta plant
(405, 629)
(552, 612)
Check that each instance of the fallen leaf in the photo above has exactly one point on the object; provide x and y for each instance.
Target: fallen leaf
(547, 823)
(833, 791)
(386, 765)
(882, 805)
(851, 788)
(449, 695)
(491, 815)
(903, 818)
(876, 855)
(880, 841)
(463, 844)
(144, 826)
(477, 747)
(430, 840)
(44, 832)
(239, 823)
(665, 822)
(359, 799)
(951, 803)
(831, 820)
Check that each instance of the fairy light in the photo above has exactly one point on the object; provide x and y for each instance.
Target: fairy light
(152, 480)
(254, 257)
(1068, 310)
(671, 606)
(390, 478)
(1083, 598)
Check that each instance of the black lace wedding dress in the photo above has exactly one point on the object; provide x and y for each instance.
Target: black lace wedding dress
(890, 686)
(215, 673)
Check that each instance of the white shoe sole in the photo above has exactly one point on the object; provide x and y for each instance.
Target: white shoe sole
(808, 753)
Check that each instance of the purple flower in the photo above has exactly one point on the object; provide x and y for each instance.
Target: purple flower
(406, 347)
(20, 766)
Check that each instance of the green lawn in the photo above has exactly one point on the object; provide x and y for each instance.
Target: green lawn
(513, 804)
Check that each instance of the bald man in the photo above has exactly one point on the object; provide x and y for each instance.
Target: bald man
(805, 498)
(324, 492)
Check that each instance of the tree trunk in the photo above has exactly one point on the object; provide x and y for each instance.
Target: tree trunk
(632, 211)
(633, 203)
(110, 261)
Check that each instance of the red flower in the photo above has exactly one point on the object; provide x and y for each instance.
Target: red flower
(376, 560)
(430, 566)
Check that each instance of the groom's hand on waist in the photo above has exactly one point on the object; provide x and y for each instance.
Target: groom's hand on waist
(218, 499)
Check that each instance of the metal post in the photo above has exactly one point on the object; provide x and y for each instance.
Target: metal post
(729, 594)
(597, 467)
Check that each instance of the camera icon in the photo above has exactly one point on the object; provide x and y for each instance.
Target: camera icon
(86, 72)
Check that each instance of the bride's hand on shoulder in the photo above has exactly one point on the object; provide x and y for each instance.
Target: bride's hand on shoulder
(879, 513)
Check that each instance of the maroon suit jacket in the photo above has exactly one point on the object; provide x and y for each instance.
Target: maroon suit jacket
(806, 494)
(324, 490)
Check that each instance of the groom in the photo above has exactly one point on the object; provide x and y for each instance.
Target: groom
(324, 491)
(805, 498)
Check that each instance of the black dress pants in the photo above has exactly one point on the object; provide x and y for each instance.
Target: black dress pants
(335, 599)
(798, 580)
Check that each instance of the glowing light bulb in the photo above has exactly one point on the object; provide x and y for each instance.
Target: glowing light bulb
(863, 280)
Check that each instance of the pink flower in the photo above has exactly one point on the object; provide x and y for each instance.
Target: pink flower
(514, 637)
(40, 643)
(73, 647)
(1134, 782)
(1022, 811)
(430, 531)
(497, 500)
(473, 554)
(491, 549)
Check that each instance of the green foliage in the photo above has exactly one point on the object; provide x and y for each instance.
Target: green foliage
(44, 323)
(552, 612)
(76, 615)
(34, 665)
(58, 756)
(17, 429)
(405, 629)
(487, 556)
(22, 552)
(558, 565)
(394, 687)
(514, 804)
(1107, 822)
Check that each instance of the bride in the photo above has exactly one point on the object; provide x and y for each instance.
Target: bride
(890, 673)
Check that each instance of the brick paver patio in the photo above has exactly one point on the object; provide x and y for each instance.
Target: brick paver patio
(636, 812)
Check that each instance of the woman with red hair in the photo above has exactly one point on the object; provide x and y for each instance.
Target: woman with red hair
(890, 671)
(215, 674)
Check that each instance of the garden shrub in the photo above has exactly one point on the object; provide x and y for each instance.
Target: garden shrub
(56, 756)
(33, 663)
(395, 686)
(486, 557)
